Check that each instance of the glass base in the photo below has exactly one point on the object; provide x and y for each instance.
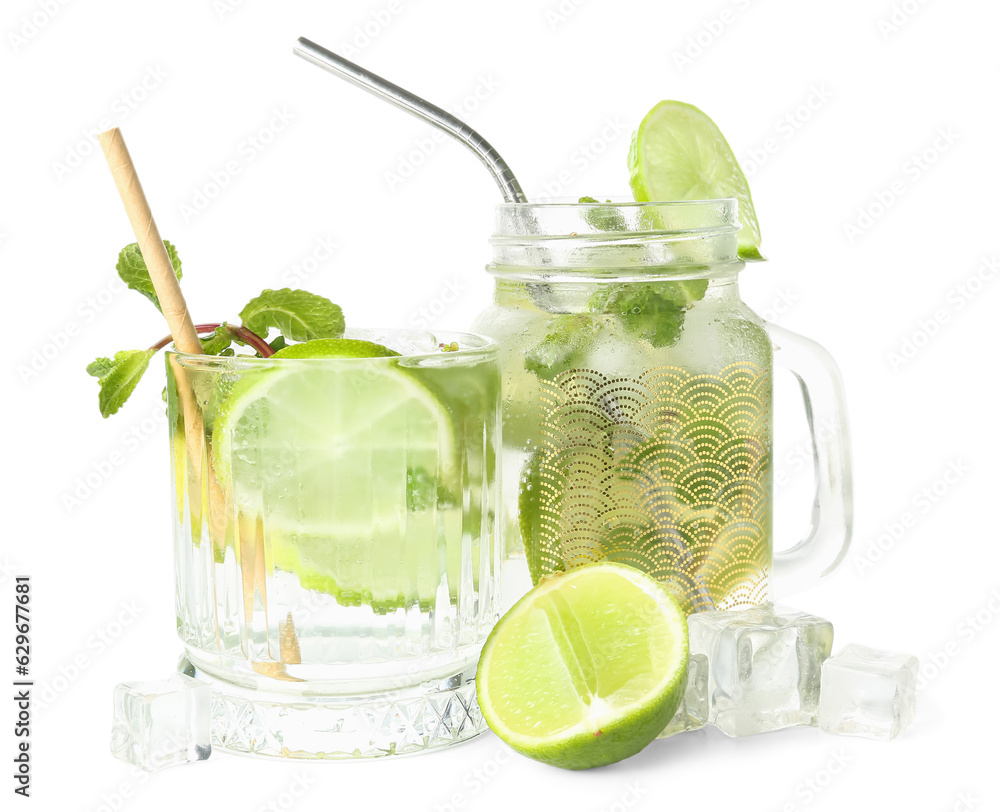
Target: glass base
(306, 725)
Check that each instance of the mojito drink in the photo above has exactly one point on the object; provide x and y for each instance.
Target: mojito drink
(335, 535)
(637, 396)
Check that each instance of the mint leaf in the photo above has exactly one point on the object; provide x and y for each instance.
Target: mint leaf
(531, 522)
(278, 343)
(683, 292)
(424, 491)
(297, 314)
(562, 348)
(132, 269)
(100, 367)
(118, 377)
(604, 218)
(218, 342)
(421, 489)
(654, 312)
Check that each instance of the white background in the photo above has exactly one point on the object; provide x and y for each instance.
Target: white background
(562, 85)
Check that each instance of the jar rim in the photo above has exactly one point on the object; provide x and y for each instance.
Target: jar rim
(623, 203)
(628, 238)
(599, 221)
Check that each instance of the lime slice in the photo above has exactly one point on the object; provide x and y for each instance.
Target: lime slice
(335, 348)
(258, 396)
(587, 668)
(679, 154)
(340, 468)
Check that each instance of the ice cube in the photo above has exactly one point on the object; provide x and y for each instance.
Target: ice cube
(867, 692)
(162, 723)
(764, 666)
(405, 342)
(692, 713)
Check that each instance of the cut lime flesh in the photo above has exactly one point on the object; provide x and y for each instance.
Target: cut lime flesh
(341, 467)
(678, 153)
(587, 668)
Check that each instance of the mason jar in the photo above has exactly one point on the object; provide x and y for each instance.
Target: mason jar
(637, 402)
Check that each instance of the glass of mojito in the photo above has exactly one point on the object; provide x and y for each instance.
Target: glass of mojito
(637, 401)
(336, 558)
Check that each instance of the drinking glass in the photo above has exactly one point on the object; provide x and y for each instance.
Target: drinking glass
(337, 566)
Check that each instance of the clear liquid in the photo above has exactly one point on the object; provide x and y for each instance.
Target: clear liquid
(367, 564)
(618, 448)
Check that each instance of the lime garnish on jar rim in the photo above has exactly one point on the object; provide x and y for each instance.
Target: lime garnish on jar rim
(678, 153)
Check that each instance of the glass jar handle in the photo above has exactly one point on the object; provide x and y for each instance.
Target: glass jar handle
(825, 545)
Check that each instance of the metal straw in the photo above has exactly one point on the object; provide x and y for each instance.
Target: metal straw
(431, 113)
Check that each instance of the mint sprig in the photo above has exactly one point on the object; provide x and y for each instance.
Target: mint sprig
(297, 314)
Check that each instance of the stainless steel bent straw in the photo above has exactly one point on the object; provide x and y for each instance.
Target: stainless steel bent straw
(396, 95)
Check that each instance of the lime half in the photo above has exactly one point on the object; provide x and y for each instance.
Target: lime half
(587, 668)
(679, 154)
(339, 466)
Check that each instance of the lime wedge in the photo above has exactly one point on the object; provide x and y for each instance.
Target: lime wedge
(587, 668)
(679, 154)
(338, 467)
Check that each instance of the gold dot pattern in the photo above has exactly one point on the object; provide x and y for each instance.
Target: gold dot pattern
(668, 472)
